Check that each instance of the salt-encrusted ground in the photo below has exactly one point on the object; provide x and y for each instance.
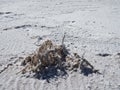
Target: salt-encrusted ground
(91, 26)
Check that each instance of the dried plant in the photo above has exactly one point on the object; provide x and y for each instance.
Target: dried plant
(49, 55)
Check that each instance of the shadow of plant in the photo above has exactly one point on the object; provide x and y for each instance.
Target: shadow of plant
(86, 71)
(50, 73)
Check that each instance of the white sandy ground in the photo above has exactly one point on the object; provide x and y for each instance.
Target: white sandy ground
(91, 26)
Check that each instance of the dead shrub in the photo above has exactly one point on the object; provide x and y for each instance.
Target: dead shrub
(50, 57)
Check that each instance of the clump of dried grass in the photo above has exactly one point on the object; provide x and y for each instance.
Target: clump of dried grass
(52, 56)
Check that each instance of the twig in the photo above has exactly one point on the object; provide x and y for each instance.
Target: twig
(63, 39)
(87, 62)
(6, 67)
